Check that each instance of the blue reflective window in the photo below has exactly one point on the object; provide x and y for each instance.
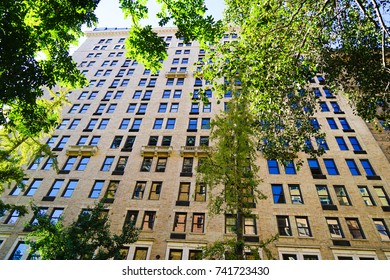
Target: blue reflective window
(290, 167)
(331, 167)
(367, 167)
(355, 143)
(273, 167)
(278, 194)
(353, 167)
(342, 144)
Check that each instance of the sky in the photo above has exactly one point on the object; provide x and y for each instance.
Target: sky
(110, 15)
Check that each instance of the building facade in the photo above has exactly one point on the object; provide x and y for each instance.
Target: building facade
(136, 138)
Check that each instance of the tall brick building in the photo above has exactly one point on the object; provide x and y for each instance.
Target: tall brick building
(136, 138)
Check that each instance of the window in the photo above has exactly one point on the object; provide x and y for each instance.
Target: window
(121, 164)
(139, 190)
(115, 83)
(142, 108)
(136, 124)
(51, 141)
(336, 107)
(344, 124)
(194, 108)
(91, 124)
(315, 123)
(108, 72)
(170, 81)
(161, 164)
(55, 188)
(166, 94)
(100, 83)
(131, 108)
(170, 124)
(334, 228)
(153, 141)
(83, 95)
(177, 93)
(49, 163)
(69, 163)
(198, 220)
(321, 143)
(342, 195)
(148, 221)
(352, 167)
(158, 123)
(184, 192)
(295, 193)
(84, 108)
(155, 191)
(198, 83)
(179, 224)
(289, 167)
(174, 108)
(303, 226)
(82, 140)
(273, 167)
(147, 95)
(74, 108)
(114, 62)
(12, 218)
(94, 140)
(331, 167)
(129, 143)
(93, 95)
(204, 141)
(250, 225)
(284, 227)
(70, 187)
(323, 195)
(142, 82)
(33, 187)
(324, 107)
(62, 142)
(184, 61)
(36, 163)
(200, 192)
(383, 198)
(152, 82)
(118, 94)
(56, 215)
(367, 167)
(332, 124)
(278, 193)
(355, 143)
(63, 124)
(130, 72)
(103, 123)
(111, 191)
(146, 164)
(205, 123)
(314, 167)
(355, 228)
(100, 109)
(140, 253)
(176, 60)
(207, 108)
(96, 189)
(342, 144)
(180, 82)
(111, 108)
(116, 142)
(382, 229)
(230, 223)
(192, 124)
(19, 252)
(18, 188)
(175, 254)
(137, 94)
(166, 141)
(124, 124)
(131, 217)
(366, 195)
(162, 108)
(187, 165)
(107, 163)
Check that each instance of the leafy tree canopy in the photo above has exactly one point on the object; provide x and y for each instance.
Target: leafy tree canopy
(86, 238)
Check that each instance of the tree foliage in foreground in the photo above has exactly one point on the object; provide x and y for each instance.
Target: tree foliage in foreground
(231, 172)
(87, 238)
